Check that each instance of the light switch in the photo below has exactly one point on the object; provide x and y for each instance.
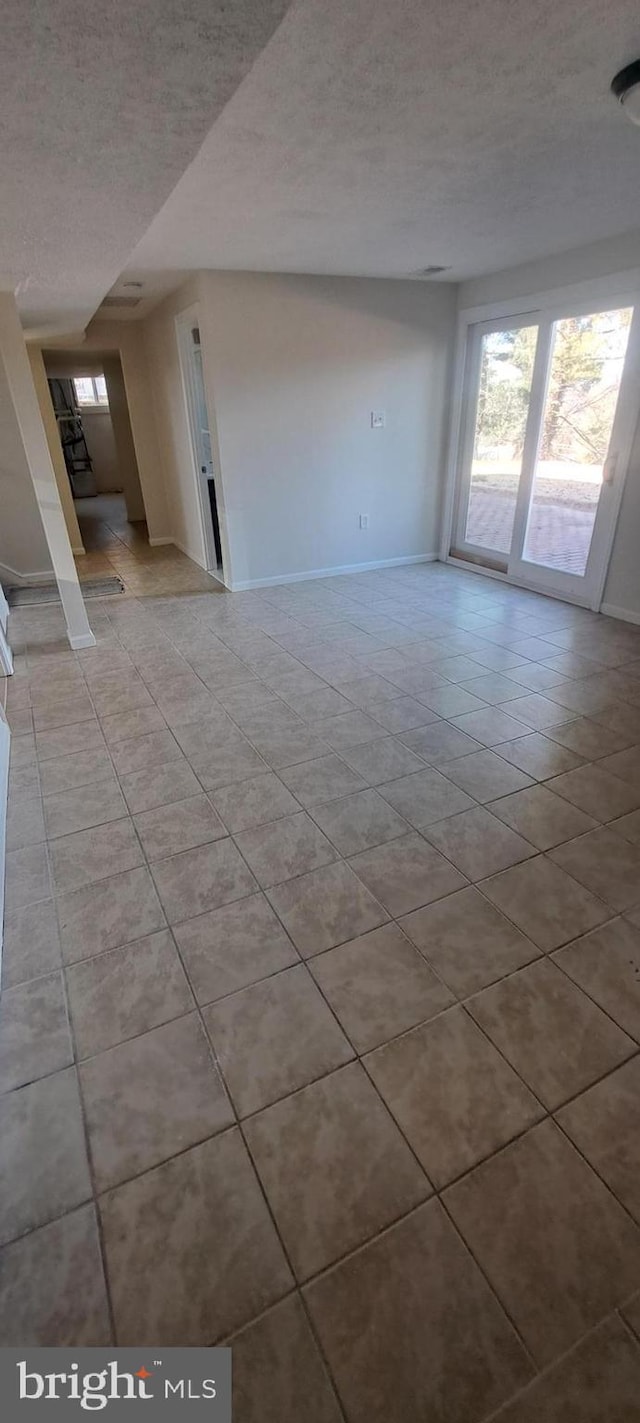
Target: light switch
(377, 419)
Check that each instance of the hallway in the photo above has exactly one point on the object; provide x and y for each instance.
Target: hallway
(320, 1023)
(113, 545)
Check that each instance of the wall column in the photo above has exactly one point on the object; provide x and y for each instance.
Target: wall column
(19, 377)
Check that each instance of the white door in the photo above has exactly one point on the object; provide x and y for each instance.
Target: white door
(190, 349)
(551, 404)
(500, 361)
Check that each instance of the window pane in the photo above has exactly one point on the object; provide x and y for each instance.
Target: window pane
(84, 390)
(587, 360)
(506, 369)
(101, 391)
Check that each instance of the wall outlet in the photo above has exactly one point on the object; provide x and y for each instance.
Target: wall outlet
(377, 419)
(363, 521)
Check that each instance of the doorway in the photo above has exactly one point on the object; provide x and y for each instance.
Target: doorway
(548, 410)
(91, 409)
(191, 364)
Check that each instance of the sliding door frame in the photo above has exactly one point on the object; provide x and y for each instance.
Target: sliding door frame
(541, 309)
(470, 396)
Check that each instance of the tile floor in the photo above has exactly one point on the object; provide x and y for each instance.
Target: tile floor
(320, 1023)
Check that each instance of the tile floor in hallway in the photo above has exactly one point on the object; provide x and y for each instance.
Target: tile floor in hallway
(113, 545)
(320, 1020)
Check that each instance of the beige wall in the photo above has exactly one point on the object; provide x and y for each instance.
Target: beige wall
(125, 339)
(161, 350)
(99, 436)
(125, 454)
(25, 413)
(23, 547)
(50, 423)
(294, 366)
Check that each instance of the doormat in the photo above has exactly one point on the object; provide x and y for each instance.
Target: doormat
(48, 592)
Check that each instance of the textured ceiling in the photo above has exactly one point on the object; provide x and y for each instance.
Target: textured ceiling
(102, 107)
(376, 138)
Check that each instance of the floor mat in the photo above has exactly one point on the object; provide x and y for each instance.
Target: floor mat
(48, 592)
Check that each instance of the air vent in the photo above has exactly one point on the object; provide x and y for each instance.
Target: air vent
(122, 301)
(433, 271)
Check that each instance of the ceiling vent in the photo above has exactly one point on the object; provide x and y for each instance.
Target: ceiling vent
(433, 271)
(122, 301)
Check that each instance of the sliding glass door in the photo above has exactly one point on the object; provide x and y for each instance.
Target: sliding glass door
(548, 415)
(500, 371)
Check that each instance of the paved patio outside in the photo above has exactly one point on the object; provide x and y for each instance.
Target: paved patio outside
(560, 526)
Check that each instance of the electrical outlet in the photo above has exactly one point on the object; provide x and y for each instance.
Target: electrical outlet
(377, 419)
(364, 521)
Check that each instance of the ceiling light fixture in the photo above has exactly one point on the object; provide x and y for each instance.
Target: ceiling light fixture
(626, 88)
(432, 271)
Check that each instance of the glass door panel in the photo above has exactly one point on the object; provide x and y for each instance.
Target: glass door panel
(583, 381)
(500, 389)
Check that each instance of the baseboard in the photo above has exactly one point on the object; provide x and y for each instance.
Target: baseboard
(85, 639)
(12, 579)
(156, 543)
(245, 585)
(188, 553)
(626, 615)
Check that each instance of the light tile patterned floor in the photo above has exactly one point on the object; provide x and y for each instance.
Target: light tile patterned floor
(320, 1026)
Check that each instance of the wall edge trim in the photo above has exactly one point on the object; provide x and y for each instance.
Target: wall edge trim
(626, 615)
(12, 579)
(244, 585)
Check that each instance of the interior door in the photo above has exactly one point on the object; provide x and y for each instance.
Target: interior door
(498, 385)
(190, 353)
(568, 495)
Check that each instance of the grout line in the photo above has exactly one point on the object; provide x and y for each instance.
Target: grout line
(313, 633)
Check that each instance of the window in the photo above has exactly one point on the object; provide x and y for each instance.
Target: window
(90, 390)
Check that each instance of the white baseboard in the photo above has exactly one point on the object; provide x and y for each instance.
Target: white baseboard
(12, 579)
(246, 584)
(85, 639)
(626, 615)
(156, 543)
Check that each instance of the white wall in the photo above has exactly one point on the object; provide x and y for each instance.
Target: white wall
(294, 367)
(98, 433)
(23, 546)
(124, 451)
(18, 373)
(594, 262)
(50, 423)
(168, 406)
(595, 259)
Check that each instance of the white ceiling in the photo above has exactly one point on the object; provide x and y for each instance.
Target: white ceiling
(375, 138)
(102, 106)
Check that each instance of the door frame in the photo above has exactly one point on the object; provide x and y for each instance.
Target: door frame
(471, 389)
(622, 289)
(184, 322)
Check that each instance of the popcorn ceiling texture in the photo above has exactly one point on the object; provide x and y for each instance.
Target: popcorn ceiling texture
(372, 139)
(101, 109)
